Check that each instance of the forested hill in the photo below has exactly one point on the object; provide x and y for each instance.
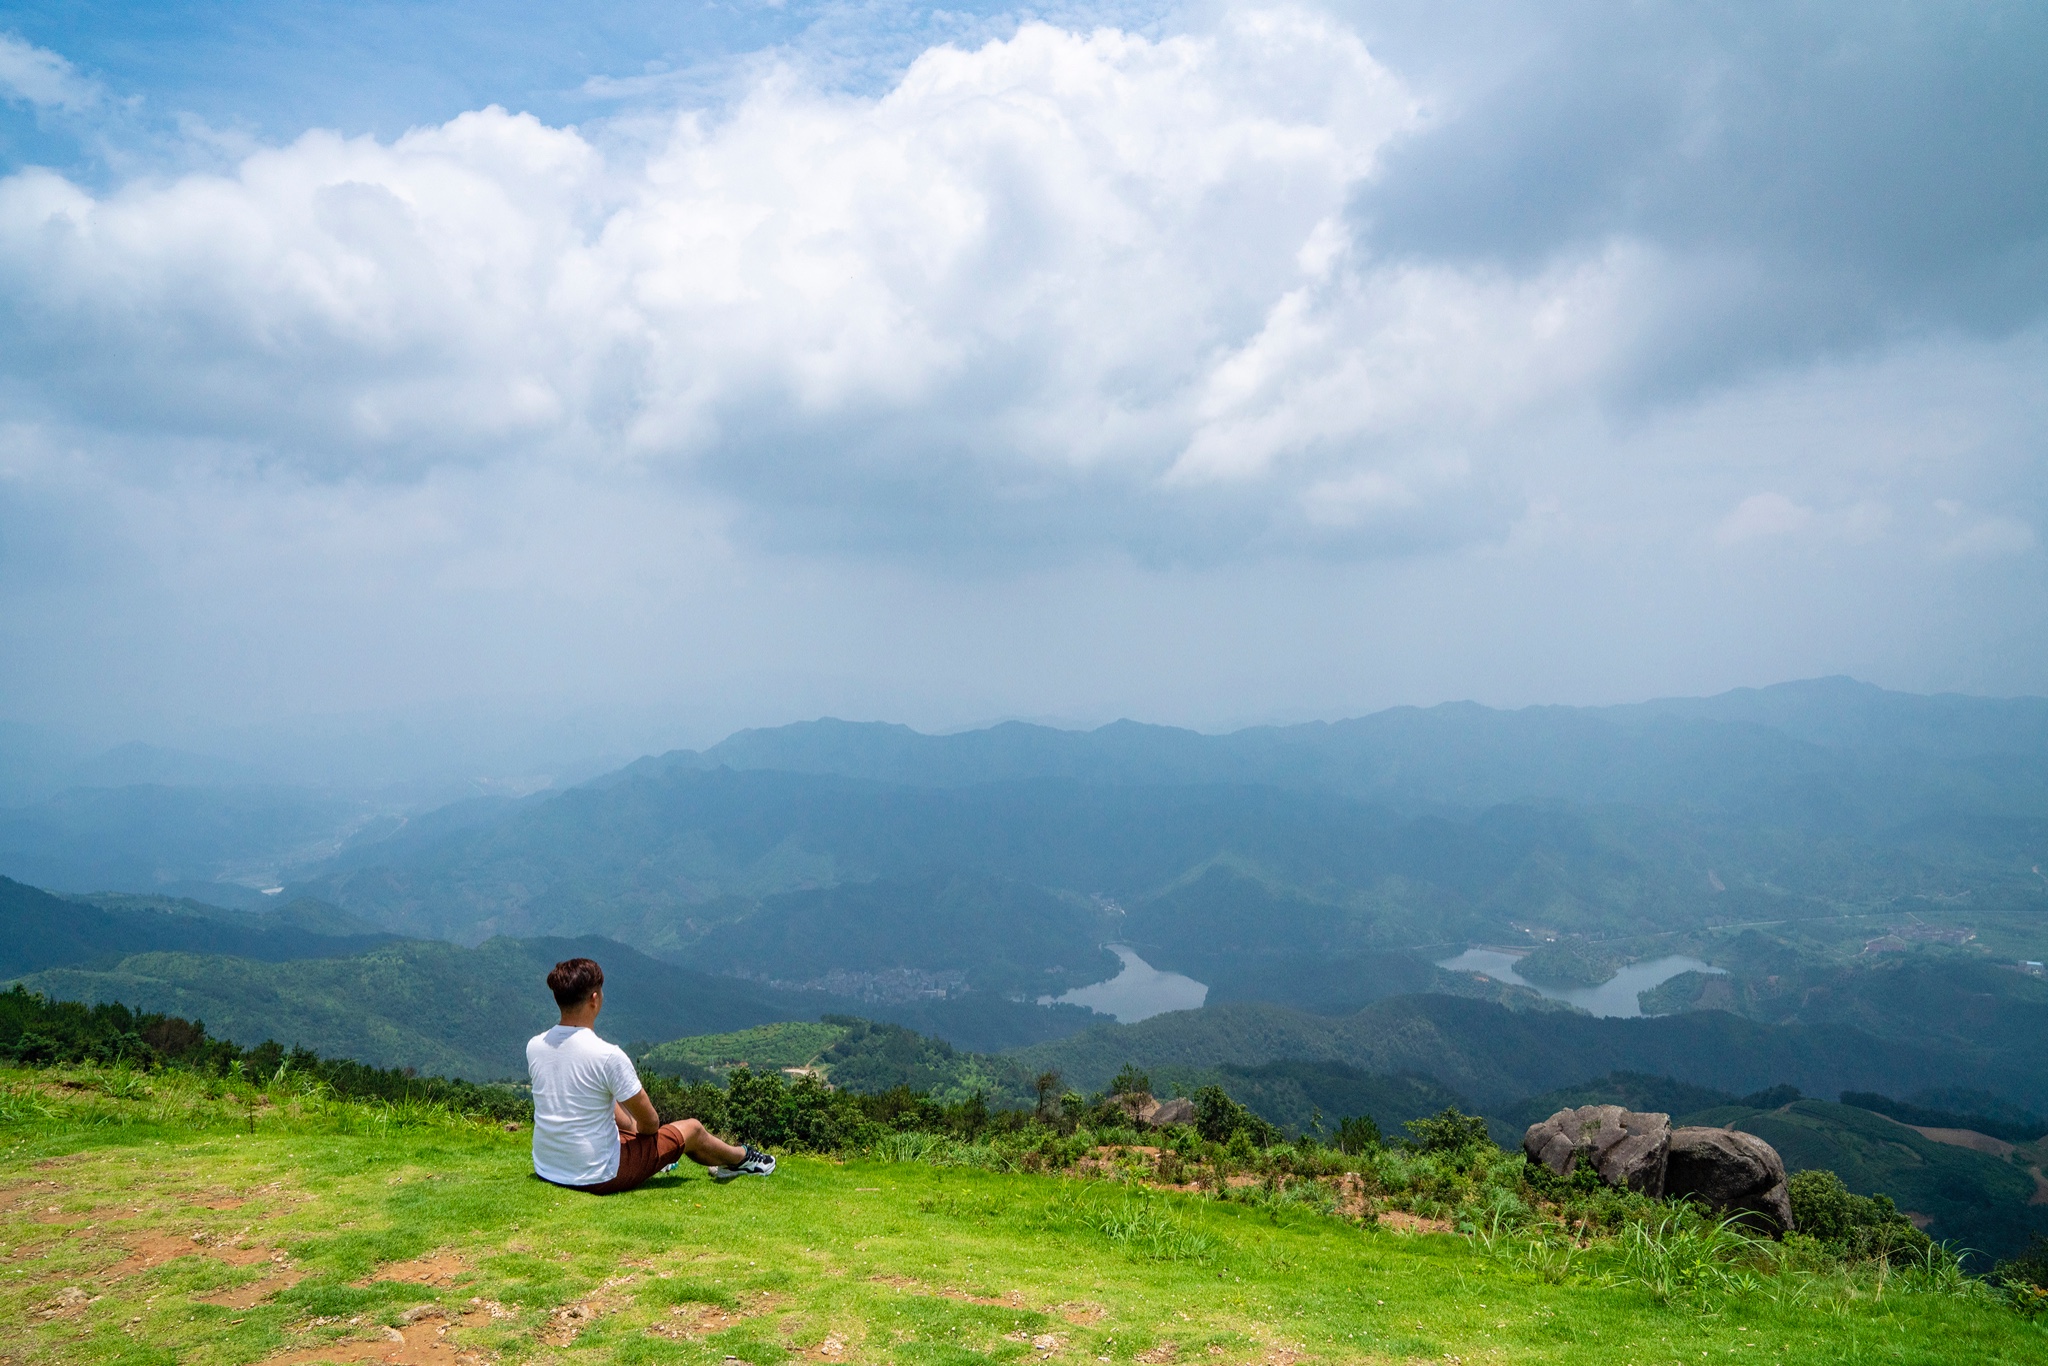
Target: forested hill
(1730, 748)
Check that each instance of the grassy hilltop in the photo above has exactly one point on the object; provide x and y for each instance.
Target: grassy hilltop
(172, 1217)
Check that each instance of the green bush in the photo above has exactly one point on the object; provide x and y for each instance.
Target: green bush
(2024, 1278)
(1359, 1134)
(1130, 1081)
(1449, 1131)
(1220, 1119)
(1854, 1227)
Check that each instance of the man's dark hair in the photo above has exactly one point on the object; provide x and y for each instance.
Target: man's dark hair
(573, 980)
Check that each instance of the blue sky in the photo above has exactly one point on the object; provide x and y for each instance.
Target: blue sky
(677, 368)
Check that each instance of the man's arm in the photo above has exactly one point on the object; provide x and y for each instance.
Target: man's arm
(635, 1114)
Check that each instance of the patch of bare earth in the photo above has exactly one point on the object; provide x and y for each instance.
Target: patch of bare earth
(1353, 1201)
(1966, 1138)
(1044, 1344)
(68, 1301)
(439, 1270)
(1080, 1313)
(1014, 1300)
(147, 1250)
(1403, 1222)
(255, 1292)
(567, 1322)
(688, 1321)
(421, 1341)
(1161, 1354)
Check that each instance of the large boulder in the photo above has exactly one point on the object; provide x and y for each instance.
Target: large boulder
(1148, 1113)
(1729, 1172)
(1626, 1147)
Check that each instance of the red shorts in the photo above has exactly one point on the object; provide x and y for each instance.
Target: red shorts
(640, 1156)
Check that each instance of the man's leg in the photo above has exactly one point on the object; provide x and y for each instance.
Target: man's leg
(642, 1155)
(702, 1146)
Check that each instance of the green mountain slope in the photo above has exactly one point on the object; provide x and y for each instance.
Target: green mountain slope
(1496, 1056)
(433, 1006)
(1253, 862)
(1974, 1199)
(38, 930)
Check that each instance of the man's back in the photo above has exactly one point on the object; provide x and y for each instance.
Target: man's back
(577, 1079)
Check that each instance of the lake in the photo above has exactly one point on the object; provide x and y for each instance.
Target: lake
(1138, 992)
(1615, 997)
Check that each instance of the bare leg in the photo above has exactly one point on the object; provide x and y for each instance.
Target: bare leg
(706, 1149)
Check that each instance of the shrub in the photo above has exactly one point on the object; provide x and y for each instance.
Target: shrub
(1855, 1227)
(1359, 1134)
(1220, 1119)
(1449, 1131)
(1130, 1081)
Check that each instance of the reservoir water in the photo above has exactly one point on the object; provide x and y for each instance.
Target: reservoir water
(1615, 997)
(1138, 992)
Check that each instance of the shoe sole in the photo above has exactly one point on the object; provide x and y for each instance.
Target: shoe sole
(724, 1174)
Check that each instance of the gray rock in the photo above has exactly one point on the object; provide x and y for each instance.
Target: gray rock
(1729, 1172)
(1148, 1113)
(1139, 1105)
(1627, 1147)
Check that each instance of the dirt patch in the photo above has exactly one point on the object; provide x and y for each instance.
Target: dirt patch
(1080, 1313)
(422, 1342)
(1014, 1300)
(254, 1293)
(68, 1301)
(146, 1250)
(1403, 1222)
(439, 1270)
(1045, 1344)
(1966, 1138)
(567, 1322)
(833, 1348)
(1353, 1200)
(68, 1160)
(687, 1321)
(2040, 1195)
(1161, 1354)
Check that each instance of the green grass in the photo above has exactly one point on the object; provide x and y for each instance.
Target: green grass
(861, 1261)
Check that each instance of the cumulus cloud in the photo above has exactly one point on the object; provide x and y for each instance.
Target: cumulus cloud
(1066, 270)
(1509, 294)
(42, 79)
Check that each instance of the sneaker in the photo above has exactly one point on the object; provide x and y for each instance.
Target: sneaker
(756, 1163)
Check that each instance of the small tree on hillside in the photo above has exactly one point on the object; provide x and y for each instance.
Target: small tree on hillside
(1130, 1082)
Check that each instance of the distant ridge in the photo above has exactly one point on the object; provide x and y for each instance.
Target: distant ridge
(1457, 753)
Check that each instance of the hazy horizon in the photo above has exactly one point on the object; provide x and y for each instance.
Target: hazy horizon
(537, 750)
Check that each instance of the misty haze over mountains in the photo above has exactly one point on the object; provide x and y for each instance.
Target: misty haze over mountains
(1922, 782)
(1858, 870)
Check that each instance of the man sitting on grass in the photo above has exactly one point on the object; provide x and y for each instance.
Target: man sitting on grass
(594, 1129)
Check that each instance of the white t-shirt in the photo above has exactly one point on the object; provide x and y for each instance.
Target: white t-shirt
(577, 1078)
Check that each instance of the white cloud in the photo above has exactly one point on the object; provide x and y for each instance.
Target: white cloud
(1054, 261)
(1762, 514)
(36, 76)
(1106, 342)
(1971, 536)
